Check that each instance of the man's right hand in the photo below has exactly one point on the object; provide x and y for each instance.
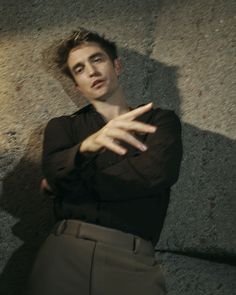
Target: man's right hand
(119, 129)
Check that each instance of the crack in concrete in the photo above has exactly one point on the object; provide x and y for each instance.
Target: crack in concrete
(148, 69)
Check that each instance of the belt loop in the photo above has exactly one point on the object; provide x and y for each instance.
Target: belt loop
(135, 244)
(77, 235)
(61, 227)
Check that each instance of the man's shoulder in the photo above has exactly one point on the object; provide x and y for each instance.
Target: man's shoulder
(76, 114)
(66, 122)
(81, 111)
(159, 111)
(162, 116)
(163, 113)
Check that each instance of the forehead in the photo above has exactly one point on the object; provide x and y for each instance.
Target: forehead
(82, 52)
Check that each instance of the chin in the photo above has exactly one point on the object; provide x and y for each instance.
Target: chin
(102, 97)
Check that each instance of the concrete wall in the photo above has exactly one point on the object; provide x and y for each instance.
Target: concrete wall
(181, 55)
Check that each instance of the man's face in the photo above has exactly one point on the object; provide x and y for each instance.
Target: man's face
(96, 76)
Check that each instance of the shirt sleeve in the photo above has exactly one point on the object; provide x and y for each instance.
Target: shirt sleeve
(146, 173)
(61, 156)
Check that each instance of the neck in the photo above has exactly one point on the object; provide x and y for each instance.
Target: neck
(112, 106)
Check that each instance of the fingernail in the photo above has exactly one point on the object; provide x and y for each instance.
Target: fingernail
(143, 147)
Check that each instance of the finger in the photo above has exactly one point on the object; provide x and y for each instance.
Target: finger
(114, 147)
(135, 126)
(137, 112)
(127, 137)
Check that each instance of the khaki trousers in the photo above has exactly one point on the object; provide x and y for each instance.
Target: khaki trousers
(79, 258)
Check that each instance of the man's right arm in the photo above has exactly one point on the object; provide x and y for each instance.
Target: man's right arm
(61, 155)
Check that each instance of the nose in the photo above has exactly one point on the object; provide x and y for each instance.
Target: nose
(91, 69)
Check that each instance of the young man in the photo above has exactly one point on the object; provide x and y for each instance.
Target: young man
(111, 168)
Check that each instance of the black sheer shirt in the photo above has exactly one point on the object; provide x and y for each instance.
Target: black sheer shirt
(130, 192)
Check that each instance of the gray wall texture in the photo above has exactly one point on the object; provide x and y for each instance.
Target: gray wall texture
(179, 54)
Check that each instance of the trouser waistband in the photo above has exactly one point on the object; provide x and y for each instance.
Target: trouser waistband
(117, 238)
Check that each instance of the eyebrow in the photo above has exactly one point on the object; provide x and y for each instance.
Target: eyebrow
(96, 54)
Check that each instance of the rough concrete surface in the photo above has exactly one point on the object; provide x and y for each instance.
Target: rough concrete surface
(179, 54)
(199, 42)
(191, 276)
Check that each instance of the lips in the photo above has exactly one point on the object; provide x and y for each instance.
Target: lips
(97, 82)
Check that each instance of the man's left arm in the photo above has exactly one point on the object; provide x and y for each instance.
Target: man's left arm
(147, 172)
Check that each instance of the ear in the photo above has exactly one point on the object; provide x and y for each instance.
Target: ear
(118, 66)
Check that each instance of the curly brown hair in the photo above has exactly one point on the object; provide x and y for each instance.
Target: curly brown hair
(79, 37)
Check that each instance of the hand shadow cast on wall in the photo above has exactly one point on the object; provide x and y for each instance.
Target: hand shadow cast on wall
(204, 181)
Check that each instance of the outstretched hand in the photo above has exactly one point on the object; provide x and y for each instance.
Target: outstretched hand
(119, 129)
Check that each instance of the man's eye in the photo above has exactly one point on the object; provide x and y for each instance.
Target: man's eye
(78, 70)
(97, 59)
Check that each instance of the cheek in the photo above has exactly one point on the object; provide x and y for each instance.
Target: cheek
(82, 85)
(84, 89)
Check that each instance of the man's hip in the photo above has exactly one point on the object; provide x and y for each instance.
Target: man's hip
(97, 261)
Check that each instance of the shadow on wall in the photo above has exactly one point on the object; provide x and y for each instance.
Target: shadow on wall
(143, 78)
(21, 198)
